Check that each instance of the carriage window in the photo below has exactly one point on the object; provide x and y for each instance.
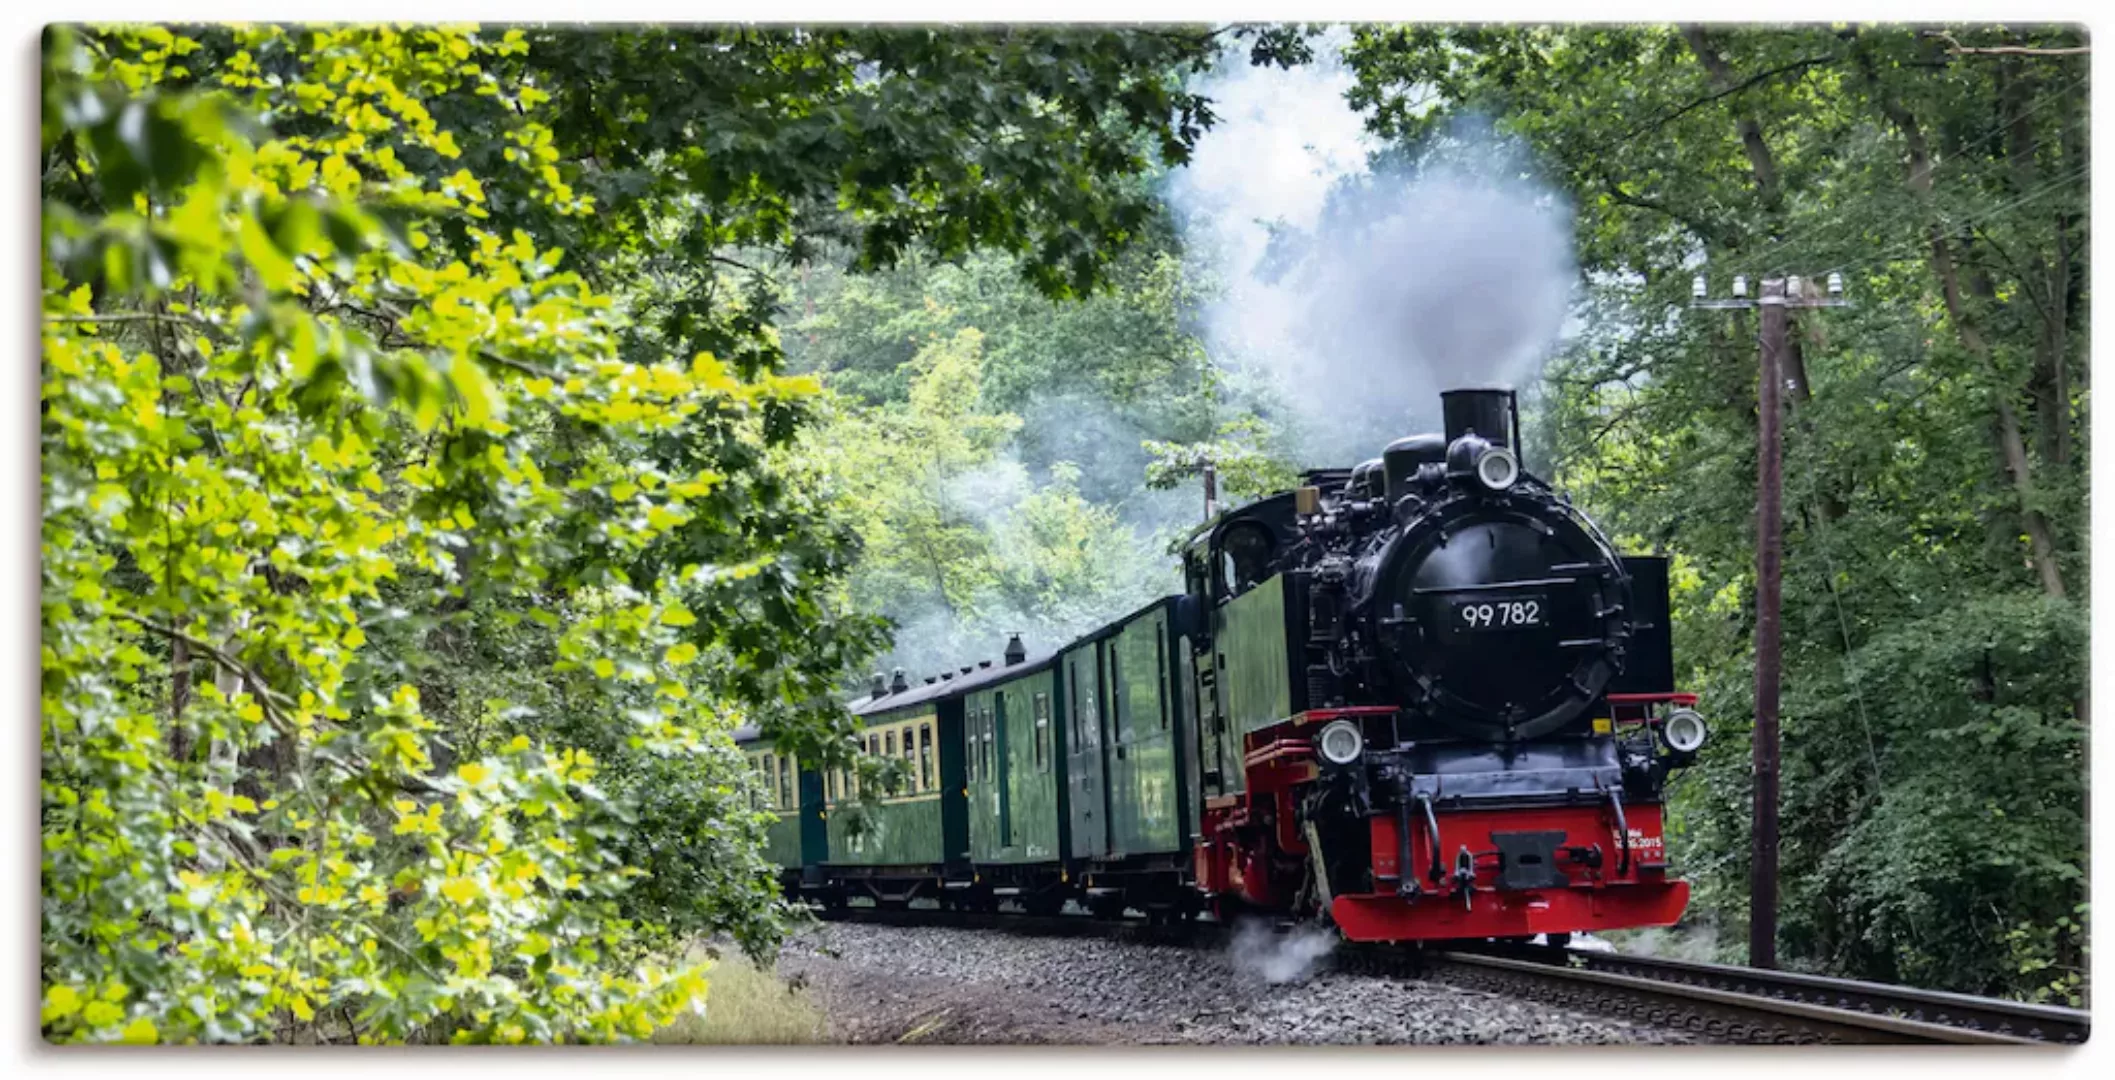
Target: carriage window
(1119, 715)
(1072, 700)
(985, 764)
(785, 783)
(969, 745)
(1042, 732)
(925, 756)
(1160, 669)
(910, 758)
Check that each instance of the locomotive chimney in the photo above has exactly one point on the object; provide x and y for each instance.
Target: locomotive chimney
(1491, 412)
(879, 685)
(1015, 651)
(898, 684)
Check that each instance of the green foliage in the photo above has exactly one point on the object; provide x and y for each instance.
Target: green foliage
(994, 440)
(1933, 806)
(1245, 470)
(960, 546)
(246, 832)
(422, 507)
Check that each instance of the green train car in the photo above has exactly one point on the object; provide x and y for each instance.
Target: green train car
(1130, 802)
(916, 830)
(1031, 780)
(794, 797)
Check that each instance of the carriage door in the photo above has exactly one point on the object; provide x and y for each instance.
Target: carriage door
(1005, 771)
(1084, 773)
(1118, 800)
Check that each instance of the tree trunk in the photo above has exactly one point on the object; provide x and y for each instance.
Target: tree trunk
(2046, 279)
(181, 742)
(1760, 161)
(2012, 444)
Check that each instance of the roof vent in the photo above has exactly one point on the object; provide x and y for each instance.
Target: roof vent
(879, 685)
(930, 680)
(983, 663)
(898, 684)
(967, 668)
(1015, 651)
(946, 676)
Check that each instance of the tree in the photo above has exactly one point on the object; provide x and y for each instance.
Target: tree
(420, 516)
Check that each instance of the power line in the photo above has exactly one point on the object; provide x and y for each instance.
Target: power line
(1758, 262)
(1904, 247)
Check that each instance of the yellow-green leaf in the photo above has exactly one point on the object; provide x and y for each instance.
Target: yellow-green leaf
(459, 889)
(61, 1002)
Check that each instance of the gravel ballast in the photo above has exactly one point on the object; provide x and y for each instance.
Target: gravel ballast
(935, 985)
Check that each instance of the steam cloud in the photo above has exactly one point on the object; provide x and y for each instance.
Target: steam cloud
(1354, 285)
(1259, 952)
(1359, 284)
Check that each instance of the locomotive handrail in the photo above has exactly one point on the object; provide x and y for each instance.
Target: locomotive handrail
(1615, 800)
(1493, 586)
(1439, 872)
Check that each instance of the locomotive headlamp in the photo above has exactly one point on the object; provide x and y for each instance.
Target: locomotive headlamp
(1497, 468)
(1683, 731)
(1341, 743)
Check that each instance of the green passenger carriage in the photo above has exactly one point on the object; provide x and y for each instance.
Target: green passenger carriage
(793, 796)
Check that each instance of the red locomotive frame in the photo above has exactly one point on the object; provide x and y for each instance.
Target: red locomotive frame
(1251, 851)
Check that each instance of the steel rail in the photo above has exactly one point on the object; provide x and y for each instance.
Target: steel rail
(1976, 1019)
(1758, 1011)
(1721, 1003)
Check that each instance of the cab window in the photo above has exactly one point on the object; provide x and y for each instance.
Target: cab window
(1042, 732)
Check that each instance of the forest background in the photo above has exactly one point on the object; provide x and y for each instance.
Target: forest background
(451, 435)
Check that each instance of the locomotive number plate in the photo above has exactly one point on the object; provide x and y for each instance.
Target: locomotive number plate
(1511, 613)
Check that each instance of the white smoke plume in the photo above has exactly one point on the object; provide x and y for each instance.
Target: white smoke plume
(1259, 952)
(1358, 283)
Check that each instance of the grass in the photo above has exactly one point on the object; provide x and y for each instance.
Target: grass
(746, 1005)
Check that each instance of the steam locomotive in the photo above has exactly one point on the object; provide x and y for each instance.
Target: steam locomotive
(1423, 698)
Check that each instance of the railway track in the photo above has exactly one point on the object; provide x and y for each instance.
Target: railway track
(1717, 1002)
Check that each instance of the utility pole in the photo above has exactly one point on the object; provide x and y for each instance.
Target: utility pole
(1779, 294)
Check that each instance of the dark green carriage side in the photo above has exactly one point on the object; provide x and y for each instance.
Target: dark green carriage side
(1079, 673)
(1126, 773)
(908, 828)
(793, 796)
(1011, 746)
